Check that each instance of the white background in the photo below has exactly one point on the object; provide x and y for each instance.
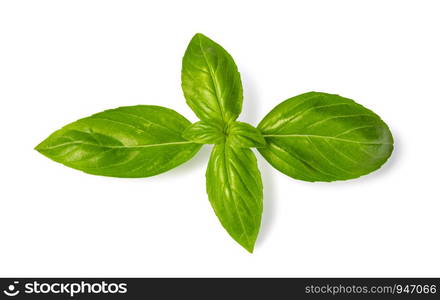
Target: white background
(63, 60)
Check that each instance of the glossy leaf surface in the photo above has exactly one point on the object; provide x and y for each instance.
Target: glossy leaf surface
(324, 137)
(210, 81)
(204, 132)
(235, 191)
(134, 141)
(244, 135)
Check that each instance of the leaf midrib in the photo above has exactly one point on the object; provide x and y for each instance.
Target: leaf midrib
(324, 137)
(227, 169)
(116, 147)
(213, 78)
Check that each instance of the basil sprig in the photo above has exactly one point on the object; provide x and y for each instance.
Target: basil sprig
(312, 137)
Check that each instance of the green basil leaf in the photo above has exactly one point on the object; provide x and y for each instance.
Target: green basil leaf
(134, 141)
(235, 191)
(204, 132)
(323, 137)
(244, 135)
(210, 81)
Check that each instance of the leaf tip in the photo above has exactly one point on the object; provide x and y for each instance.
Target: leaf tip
(250, 249)
(199, 35)
(247, 243)
(38, 147)
(248, 246)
